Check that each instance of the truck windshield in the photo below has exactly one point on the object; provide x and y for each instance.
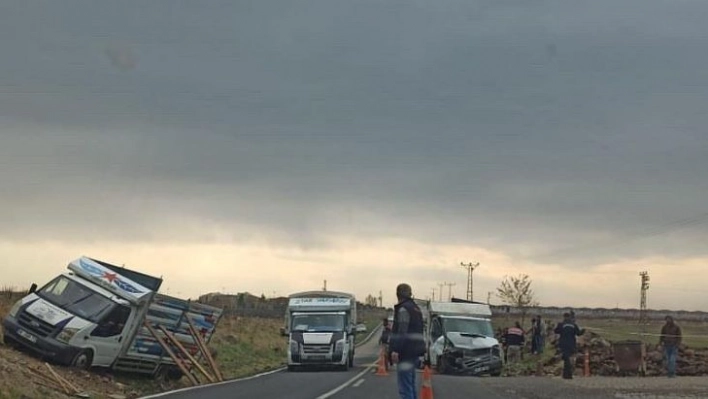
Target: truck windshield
(470, 326)
(76, 299)
(318, 322)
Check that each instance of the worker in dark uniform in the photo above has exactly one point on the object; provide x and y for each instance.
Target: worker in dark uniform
(407, 343)
(568, 330)
(384, 342)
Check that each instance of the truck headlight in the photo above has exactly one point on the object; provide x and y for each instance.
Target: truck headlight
(67, 334)
(15, 308)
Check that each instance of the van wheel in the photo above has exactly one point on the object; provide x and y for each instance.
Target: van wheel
(168, 373)
(441, 365)
(82, 360)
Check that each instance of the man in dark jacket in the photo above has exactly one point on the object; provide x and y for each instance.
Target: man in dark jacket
(568, 330)
(515, 343)
(670, 339)
(406, 343)
(384, 341)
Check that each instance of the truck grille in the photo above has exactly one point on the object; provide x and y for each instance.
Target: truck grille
(34, 324)
(316, 349)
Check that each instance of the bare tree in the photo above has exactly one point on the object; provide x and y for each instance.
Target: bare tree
(517, 292)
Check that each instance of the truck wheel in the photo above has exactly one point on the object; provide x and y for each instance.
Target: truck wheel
(82, 360)
(293, 368)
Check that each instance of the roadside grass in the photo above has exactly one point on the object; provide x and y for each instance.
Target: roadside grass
(371, 319)
(246, 346)
(528, 364)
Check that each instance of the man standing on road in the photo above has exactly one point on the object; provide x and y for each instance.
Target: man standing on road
(670, 339)
(568, 330)
(407, 343)
(384, 341)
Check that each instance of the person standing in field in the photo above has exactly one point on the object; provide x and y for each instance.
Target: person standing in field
(514, 343)
(670, 339)
(568, 330)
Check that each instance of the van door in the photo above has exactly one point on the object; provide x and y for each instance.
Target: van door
(107, 337)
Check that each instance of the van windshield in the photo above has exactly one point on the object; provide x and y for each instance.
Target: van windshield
(318, 322)
(76, 299)
(469, 326)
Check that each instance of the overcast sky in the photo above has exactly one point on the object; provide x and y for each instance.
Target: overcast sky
(266, 146)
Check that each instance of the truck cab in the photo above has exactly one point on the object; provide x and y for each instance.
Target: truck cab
(80, 318)
(93, 315)
(461, 339)
(321, 330)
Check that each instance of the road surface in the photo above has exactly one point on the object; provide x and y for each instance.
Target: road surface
(361, 383)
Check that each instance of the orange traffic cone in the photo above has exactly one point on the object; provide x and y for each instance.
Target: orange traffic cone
(381, 370)
(426, 389)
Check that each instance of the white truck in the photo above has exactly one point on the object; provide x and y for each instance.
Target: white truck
(321, 328)
(94, 314)
(460, 338)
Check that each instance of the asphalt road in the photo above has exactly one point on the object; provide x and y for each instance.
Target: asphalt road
(361, 382)
(311, 384)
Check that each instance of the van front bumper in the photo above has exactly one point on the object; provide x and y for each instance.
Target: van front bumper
(47, 347)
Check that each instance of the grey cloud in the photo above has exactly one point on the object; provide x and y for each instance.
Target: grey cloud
(544, 125)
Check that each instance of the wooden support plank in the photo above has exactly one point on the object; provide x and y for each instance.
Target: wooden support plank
(186, 353)
(174, 357)
(65, 387)
(204, 349)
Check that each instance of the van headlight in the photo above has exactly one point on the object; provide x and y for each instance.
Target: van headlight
(15, 308)
(67, 334)
(339, 347)
(496, 350)
(293, 347)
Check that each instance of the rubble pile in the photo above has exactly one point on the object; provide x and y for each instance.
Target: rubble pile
(690, 362)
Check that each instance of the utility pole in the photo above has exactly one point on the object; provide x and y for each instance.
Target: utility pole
(449, 290)
(432, 291)
(470, 268)
(440, 290)
(643, 319)
(489, 297)
(380, 299)
(324, 288)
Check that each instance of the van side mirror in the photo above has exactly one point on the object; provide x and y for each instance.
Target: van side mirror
(33, 288)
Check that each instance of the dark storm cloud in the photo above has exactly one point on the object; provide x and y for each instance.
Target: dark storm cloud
(551, 130)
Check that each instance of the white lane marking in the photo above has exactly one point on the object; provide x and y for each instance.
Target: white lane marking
(346, 384)
(356, 384)
(159, 395)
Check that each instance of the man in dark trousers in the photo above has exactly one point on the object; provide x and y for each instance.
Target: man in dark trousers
(568, 330)
(407, 344)
(384, 341)
(670, 339)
